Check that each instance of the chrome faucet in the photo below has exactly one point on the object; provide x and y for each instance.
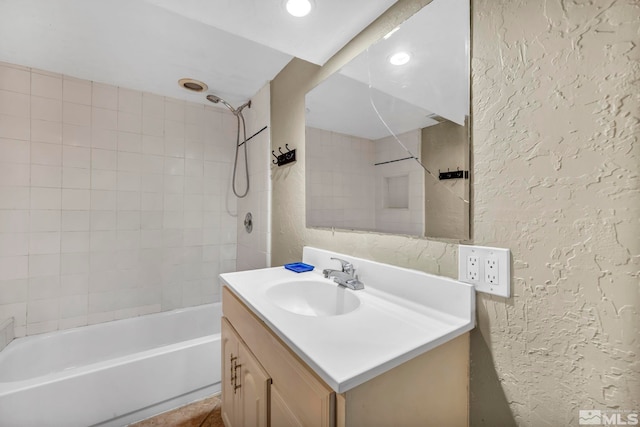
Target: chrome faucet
(346, 277)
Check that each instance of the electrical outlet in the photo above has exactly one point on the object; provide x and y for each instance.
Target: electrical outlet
(491, 270)
(473, 268)
(488, 269)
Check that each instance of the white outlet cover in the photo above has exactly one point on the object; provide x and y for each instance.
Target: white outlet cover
(503, 285)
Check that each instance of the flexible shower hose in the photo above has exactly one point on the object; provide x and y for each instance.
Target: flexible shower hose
(240, 117)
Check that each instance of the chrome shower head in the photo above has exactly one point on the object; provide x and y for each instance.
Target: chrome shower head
(213, 98)
(216, 99)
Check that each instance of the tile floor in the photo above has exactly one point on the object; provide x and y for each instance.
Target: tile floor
(203, 413)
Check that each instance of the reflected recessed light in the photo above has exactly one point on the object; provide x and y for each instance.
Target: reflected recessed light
(390, 33)
(400, 58)
(298, 8)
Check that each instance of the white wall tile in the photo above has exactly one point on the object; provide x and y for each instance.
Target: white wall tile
(129, 122)
(106, 139)
(48, 86)
(131, 142)
(14, 174)
(74, 263)
(76, 114)
(129, 181)
(102, 200)
(45, 287)
(75, 220)
(46, 176)
(13, 291)
(128, 200)
(44, 220)
(104, 179)
(153, 144)
(15, 104)
(46, 109)
(46, 154)
(75, 241)
(14, 79)
(104, 96)
(103, 220)
(104, 159)
(152, 105)
(44, 265)
(94, 187)
(102, 118)
(76, 90)
(14, 127)
(73, 199)
(129, 101)
(46, 242)
(76, 157)
(14, 244)
(173, 166)
(14, 221)
(76, 135)
(14, 197)
(14, 267)
(15, 151)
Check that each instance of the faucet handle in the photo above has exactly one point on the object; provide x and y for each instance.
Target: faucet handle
(347, 267)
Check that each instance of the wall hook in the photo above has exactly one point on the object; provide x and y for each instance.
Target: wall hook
(284, 158)
(273, 153)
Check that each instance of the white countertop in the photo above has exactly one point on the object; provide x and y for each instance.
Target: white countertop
(402, 314)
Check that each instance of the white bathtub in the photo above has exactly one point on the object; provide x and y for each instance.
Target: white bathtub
(111, 374)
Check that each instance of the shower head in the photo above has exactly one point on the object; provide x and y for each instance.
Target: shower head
(216, 99)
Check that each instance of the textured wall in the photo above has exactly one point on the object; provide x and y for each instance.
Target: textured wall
(555, 134)
(554, 123)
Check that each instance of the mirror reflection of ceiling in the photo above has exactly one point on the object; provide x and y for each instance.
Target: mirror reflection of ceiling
(434, 82)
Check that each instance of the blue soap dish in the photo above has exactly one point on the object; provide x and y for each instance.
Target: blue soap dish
(299, 267)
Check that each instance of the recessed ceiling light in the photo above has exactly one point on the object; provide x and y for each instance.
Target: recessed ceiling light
(298, 8)
(400, 58)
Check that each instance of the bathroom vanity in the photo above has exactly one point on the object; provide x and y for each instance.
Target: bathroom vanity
(299, 350)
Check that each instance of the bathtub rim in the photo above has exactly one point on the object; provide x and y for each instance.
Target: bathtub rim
(8, 387)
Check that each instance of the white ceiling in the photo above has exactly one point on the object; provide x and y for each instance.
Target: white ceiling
(234, 46)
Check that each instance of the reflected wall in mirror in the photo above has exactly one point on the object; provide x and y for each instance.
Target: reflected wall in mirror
(378, 135)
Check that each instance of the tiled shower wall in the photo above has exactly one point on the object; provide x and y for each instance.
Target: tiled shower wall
(254, 248)
(113, 203)
(411, 219)
(345, 189)
(340, 185)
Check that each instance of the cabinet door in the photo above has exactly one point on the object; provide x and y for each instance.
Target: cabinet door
(253, 385)
(245, 384)
(281, 414)
(230, 344)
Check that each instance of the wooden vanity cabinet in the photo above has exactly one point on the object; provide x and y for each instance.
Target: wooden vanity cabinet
(430, 389)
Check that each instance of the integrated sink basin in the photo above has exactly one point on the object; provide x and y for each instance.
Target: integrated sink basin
(313, 298)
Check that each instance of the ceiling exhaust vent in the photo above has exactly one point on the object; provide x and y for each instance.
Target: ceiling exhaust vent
(193, 85)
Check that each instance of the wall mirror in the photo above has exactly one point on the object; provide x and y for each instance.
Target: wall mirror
(387, 136)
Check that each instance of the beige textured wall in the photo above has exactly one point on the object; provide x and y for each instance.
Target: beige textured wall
(446, 146)
(554, 131)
